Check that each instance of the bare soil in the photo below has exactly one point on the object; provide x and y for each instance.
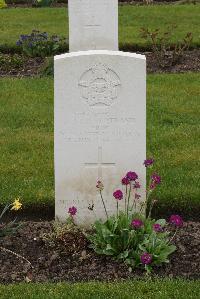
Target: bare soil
(73, 261)
(64, 3)
(190, 62)
(28, 67)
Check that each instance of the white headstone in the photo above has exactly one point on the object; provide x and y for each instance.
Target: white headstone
(93, 25)
(100, 128)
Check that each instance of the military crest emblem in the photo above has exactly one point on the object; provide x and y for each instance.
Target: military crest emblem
(99, 85)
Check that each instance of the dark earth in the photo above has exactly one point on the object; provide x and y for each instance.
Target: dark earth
(26, 67)
(61, 3)
(71, 260)
(190, 62)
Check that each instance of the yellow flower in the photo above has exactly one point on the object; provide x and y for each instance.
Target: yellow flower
(16, 205)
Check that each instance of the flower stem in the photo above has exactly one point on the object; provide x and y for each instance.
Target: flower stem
(147, 201)
(104, 204)
(117, 208)
(150, 208)
(17, 255)
(172, 238)
(141, 208)
(125, 199)
(149, 191)
(133, 206)
(5, 209)
(129, 194)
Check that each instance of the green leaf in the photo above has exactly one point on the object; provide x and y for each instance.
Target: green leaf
(167, 261)
(141, 247)
(162, 222)
(126, 253)
(123, 255)
(108, 247)
(171, 249)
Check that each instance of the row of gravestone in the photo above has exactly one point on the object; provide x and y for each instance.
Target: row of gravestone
(100, 112)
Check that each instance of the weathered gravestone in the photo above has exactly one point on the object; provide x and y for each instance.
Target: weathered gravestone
(93, 24)
(100, 127)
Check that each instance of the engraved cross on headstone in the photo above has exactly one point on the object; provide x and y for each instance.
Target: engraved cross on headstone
(100, 165)
(91, 22)
(91, 26)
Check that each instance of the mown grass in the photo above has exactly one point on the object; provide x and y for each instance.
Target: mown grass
(158, 289)
(173, 131)
(14, 22)
(26, 139)
(26, 142)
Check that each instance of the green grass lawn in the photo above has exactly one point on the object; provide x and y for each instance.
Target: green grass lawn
(26, 143)
(14, 22)
(159, 289)
(173, 131)
(26, 138)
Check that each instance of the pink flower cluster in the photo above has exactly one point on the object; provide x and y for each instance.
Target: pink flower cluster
(129, 177)
(146, 258)
(132, 176)
(176, 220)
(157, 228)
(125, 181)
(137, 223)
(118, 194)
(155, 180)
(148, 162)
(72, 211)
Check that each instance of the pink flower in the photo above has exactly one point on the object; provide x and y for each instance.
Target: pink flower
(148, 162)
(156, 179)
(100, 185)
(152, 186)
(176, 220)
(157, 227)
(137, 196)
(132, 176)
(137, 223)
(72, 211)
(118, 194)
(137, 185)
(146, 258)
(125, 181)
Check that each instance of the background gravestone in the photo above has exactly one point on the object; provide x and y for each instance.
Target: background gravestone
(93, 25)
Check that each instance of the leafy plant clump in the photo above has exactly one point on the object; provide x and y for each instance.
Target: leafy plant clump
(166, 52)
(134, 240)
(131, 236)
(2, 4)
(40, 44)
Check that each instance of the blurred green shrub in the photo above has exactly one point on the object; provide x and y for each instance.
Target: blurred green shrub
(2, 4)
